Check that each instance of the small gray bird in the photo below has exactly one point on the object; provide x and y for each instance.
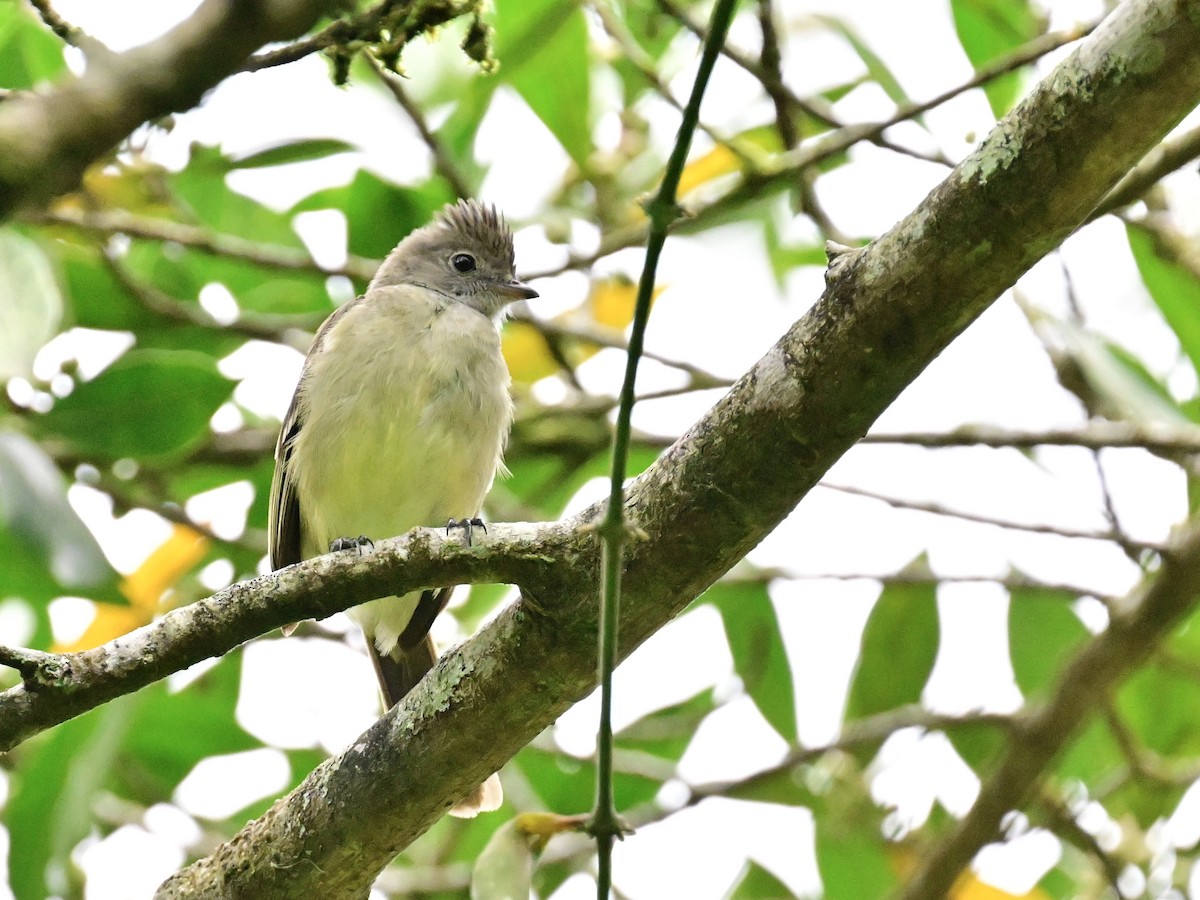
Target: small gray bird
(400, 419)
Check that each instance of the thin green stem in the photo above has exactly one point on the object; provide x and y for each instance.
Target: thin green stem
(662, 211)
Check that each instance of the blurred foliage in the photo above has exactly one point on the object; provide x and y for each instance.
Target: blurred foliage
(192, 271)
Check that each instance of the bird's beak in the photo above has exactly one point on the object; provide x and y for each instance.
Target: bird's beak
(516, 290)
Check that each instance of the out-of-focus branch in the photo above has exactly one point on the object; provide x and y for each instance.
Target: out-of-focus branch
(116, 222)
(1035, 528)
(47, 139)
(1097, 434)
(1144, 619)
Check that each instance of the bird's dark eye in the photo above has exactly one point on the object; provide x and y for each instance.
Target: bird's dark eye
(463, 262)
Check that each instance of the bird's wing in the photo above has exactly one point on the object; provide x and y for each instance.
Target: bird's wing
(284, 539)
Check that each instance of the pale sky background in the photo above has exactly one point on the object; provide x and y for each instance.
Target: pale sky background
(995, 373)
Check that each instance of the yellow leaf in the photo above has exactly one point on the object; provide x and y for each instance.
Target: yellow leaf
(111, 621)
(718, 161)
(612, 301)
(526, 352)
(969, 887)
(163, 567)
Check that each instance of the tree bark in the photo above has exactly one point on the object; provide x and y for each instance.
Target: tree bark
(887, 312)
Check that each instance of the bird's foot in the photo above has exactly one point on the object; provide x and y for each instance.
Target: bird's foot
(467, 525)
(360, 543)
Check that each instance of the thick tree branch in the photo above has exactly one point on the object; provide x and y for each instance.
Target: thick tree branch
(720, 489)
(48, 139)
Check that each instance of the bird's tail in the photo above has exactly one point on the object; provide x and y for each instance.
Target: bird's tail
(399, 672)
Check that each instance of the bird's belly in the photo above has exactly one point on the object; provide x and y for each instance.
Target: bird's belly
(398, 473)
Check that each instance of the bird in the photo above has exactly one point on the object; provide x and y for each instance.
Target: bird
(400, 419)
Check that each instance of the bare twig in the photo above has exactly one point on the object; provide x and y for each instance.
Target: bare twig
(938, 510)
(1097, 434)
(443, 164)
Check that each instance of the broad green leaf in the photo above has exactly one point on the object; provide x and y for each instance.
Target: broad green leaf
(667, 732)
(877, 69)
(535, 38)
(29, 53)
(779, 785)
(379, 214)
(567, 785)
(652, 30)
(1159, 708)
(31, 308)
(752, 629)
(757, 883)
(480, 602)
(291, 152)
(1124, 386)
(149, 403)
(201, 186)
(1174, 288)
(899, 647)
(990, 29)
(1092, 756)
(36, 516)
(57, 778)
(853, 862)
(977, 743)
(1043, 631)
(175, 730)
(504, 870)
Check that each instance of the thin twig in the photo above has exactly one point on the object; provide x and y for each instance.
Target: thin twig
(939, 510)
(71, 34)
(1097, 434)
(443, 164)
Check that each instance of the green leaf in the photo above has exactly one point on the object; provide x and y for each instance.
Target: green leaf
(54, 786)
(149, 403)
(32, 306)
(759, 658)
(535, 38)
(779, 785)
(1043, 630)
(990, 29)
(1124, 386)
(291, 152)
(899, 647)
(1159, 708)
(29, 53)
(567, 785)
(1092, 756)
(504, 870)
(667, 732)
(757, 883)
(976, 742)
(379, 214)
(175, 730)
(877, 69)
(37, 519)
(1174, 288)
(853, 863)
(201, 185)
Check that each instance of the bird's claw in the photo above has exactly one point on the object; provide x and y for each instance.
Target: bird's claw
(467, 525)
(348, 543)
